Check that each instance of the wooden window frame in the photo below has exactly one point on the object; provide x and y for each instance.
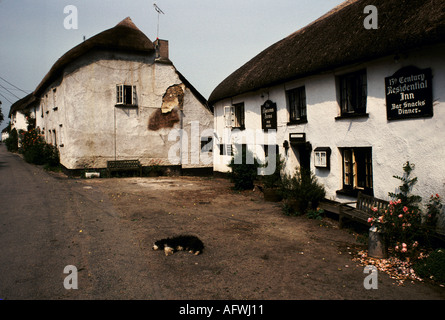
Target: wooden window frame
(296, 105)
(126, 95)
(353, 93)
(357, 172)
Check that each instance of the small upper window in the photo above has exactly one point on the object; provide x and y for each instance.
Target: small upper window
(296, 102)
(353, 93)
(234, 116)
(126, 95)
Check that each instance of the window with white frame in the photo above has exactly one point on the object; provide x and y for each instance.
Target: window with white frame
(322, 157)
(234, 116)
(126, 95)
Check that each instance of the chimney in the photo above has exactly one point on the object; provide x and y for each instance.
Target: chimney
(161, 47)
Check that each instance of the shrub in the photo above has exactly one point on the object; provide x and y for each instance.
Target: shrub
(36, 151)
(432, 267)
(244, 174)
(401, 226)
(51, 156)
(402, 220)
(404, 193)
(12, 142)
(434, 207)
(316, 214)
(303, 189)
(274, 180)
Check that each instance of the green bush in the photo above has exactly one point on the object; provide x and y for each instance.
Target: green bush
(12, 142)
(244, 174)
(302, 190)
(432, 267)
(274, 180)
(36, 151)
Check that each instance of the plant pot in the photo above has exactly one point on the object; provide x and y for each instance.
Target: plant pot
(272, 195)
(376, 244)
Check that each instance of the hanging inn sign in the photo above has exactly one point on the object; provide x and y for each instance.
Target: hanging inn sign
(409, 94)
(269, 115)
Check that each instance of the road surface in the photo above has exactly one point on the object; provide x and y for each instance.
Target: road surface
(48, 223)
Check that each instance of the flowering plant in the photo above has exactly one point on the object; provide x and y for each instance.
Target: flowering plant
(401, 225)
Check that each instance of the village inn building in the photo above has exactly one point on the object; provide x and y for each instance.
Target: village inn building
(351, 103)
(117, 96)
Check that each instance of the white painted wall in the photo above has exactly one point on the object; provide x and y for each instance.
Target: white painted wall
(421, 141)
(90, 129)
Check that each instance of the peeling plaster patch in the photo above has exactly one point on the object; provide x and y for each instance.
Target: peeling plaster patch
(159, 120)
(173, 97)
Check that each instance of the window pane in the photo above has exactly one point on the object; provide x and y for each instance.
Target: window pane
(347, 164)
(239, 115)
(128, 96)
(119, 89)
(135, 100)
(353, 92)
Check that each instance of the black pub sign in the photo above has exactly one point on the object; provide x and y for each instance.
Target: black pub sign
(269, 115)
(409, 94)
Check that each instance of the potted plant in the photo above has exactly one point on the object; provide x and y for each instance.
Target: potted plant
(272, 182)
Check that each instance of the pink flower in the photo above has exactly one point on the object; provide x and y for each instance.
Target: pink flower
(370, 220)
(374, 209)
(405, 209)
(400, 215)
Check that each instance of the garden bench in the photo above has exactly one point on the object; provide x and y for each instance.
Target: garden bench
(363, 209)
(123, 165)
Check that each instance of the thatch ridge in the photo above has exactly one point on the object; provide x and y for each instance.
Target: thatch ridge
(339, 38)
(124, 36)
(22, 104)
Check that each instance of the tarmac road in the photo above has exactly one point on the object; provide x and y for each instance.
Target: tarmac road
(47, 224)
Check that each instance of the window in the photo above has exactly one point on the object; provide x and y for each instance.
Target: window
(353, 93)
(54, 99)
(296, 103)
(357, 170)
(234, 116)
(126, 95)
(225, 149)
(268, 148)
(206, 144)
(322, 157)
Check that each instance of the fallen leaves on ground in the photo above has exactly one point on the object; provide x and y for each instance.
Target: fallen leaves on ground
(397, 269)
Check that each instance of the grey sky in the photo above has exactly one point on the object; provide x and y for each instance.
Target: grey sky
(209, 39)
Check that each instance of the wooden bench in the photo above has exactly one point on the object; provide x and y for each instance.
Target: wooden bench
(363, 209)
(124, 165)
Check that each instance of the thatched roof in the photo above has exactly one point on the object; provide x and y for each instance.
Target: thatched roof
(339, 38)
(125, 36)
(22, 104)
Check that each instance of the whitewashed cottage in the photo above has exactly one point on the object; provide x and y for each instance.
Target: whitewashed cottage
(351, 103)
(117, 96)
